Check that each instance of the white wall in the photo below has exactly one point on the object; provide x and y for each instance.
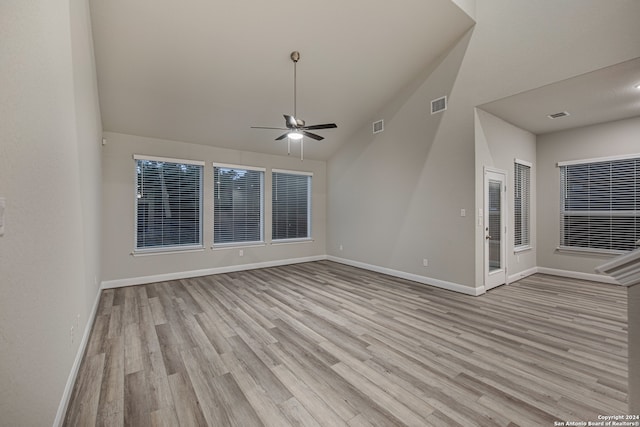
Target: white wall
(118, 178)
(497, 145)
(608, 139)
(49, 175)
(395, 197)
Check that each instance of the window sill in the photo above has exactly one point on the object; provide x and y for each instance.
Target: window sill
(291, 241)
(520, 249)
(166, 251)
(588, 251)
(236, 245)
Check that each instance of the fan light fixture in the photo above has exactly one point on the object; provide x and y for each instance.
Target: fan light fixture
(295, 135)
(296, 129)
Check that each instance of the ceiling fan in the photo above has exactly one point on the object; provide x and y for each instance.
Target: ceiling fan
(296, 129)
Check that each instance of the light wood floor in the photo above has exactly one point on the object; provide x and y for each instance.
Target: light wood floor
(323, 344)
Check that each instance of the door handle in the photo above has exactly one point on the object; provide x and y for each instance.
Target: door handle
(487, 237)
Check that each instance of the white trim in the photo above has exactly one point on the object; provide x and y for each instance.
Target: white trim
(241, 167)
(119, 283)
(494, 170)
(236, 245)
(577, 275)
(467, 290)
(167, 250)
(290, 172)
(599, 159)
(523, 248)
(168, 160)
(592, 251)
(523, 162)
(71, 380)
(291, 241)
(522, 274)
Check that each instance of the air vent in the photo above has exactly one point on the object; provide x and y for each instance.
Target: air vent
(378, 126)
(558, 115)
(438, 105)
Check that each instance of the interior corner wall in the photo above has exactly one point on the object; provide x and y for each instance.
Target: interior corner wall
(118, 178)
(468, 6)
(589, 142)
(49, 176)
(497, 145)
(395, 198)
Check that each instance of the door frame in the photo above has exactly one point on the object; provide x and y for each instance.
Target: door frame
(498, 277)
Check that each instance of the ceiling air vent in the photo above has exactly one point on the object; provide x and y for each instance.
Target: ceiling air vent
(558, 115)
(438, 105)
(378, 126)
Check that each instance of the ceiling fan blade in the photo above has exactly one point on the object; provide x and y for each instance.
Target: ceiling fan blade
(290, 121)
(283, 136)
(313, 135)
(324, 126)
(265, 127)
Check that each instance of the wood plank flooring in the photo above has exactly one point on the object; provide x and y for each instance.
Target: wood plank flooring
(324, 344)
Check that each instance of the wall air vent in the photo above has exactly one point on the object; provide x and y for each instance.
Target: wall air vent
(558, 115)
(378, 126)
(438, 105)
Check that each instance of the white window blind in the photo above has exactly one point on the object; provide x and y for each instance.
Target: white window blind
(522, 204)
(168, 203)
(291, 205)
(600, 204)
(237, 205)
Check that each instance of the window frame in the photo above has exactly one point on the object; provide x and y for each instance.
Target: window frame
(309, 215)
(164, 249)
(523, 205)
(635, 213)
(259, 242)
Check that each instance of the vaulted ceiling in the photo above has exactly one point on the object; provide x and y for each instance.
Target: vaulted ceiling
(204, 72)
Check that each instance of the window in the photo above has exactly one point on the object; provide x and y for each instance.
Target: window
(237, 204)
(600, 204)
(168, 203)
(522, 204)
(291, 205)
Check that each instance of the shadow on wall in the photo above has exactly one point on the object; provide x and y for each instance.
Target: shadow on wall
(383, 183)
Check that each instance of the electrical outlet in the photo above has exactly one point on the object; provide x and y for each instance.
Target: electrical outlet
(72, 334)
(341, 248)
(425, 262)
(241, 252)
(463, 212)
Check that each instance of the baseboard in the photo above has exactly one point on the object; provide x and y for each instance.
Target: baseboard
(119, 283)
(522, 274)
(468, 290)
(68, 389)
(578, 275)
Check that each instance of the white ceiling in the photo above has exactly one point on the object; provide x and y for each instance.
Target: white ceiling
(600, 96)
(204, 72)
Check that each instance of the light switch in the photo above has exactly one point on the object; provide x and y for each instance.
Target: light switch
(3, 205)
(463, 212)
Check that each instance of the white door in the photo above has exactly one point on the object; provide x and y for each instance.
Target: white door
(495, 227)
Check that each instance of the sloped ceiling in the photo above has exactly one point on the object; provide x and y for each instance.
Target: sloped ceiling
(204, 72)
